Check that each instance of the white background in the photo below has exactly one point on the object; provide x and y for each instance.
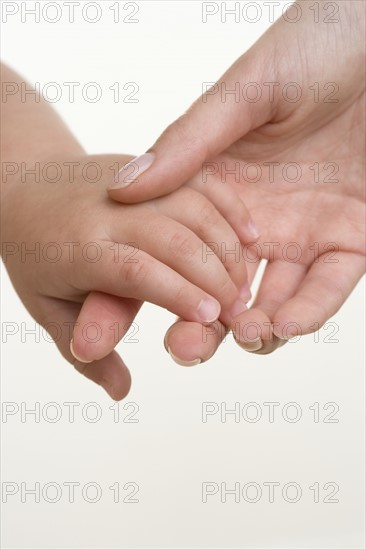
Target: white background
(170, 452)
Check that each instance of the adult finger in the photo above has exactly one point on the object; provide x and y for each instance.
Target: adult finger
(253, 330)
(190, 344)
(322, 292)
(215, 121)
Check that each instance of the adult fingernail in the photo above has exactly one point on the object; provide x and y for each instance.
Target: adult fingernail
(245, 293)
(132, 170)
(238, 308)
(74, 354)
(253, 230)
(255, 345)
(208, 311)
(284, 334)
(287, 337)
(182, 362)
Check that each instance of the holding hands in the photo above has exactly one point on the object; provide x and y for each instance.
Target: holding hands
(285, 128)
(78, 259)
(188, 194)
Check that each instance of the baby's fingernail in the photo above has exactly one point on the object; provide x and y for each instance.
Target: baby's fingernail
(253, 230)
(238, 308)
(245, 293)
(208, 311)
(74, 354)
(182, 362)
(132, 170)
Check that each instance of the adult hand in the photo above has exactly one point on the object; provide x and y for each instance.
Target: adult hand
(292, 143)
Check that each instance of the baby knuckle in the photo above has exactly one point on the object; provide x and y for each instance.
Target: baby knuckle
(208, 217)
(181, 246)
(180, 295)
(227, 292)
(133, 273)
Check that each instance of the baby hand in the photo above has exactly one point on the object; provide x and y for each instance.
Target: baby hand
(63, 240)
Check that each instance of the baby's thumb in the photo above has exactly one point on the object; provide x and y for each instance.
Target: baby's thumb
(224, 113)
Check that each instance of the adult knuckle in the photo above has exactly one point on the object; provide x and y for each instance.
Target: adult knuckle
(184, 129)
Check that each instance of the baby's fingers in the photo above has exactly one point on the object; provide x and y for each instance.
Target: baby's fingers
(228, 203)
(103, 321)
(59, 317)
(128, 272)
(194, 211)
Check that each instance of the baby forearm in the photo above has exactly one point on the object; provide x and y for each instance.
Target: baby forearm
(31, 130)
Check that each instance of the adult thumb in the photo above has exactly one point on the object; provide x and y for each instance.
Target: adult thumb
(227, 110)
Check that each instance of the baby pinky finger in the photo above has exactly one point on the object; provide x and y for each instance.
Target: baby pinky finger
(110, 373)
(58, 316)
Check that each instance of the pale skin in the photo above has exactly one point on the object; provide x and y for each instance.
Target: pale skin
(110, 257)
(305, 293)
(294, 297)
